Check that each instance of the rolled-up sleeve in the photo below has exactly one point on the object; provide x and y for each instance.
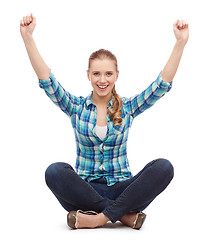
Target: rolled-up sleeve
(67, 102)
(140, 102)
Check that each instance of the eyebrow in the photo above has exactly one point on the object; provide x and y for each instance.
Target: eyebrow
(106, 71)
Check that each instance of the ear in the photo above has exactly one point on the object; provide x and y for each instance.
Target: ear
(88, 74)
(117, 74)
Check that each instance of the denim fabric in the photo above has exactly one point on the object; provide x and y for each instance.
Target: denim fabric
(134, 194)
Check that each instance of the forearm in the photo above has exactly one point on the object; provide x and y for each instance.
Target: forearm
(171, 67)
(40, 67)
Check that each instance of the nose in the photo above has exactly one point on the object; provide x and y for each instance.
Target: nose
(102, 78)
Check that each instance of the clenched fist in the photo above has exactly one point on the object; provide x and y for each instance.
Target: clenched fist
(27, 25)
(181, 31)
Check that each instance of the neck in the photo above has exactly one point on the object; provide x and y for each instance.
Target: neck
(101, 101)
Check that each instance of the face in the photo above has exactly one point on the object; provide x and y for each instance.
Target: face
(103, 76)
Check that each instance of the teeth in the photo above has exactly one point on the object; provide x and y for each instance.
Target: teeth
(102, 86)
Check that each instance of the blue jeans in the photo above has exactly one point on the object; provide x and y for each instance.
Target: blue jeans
(132, 195)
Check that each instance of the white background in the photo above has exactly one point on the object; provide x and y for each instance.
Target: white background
(35, 133)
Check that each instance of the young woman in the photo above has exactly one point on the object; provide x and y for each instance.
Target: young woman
(102, 187)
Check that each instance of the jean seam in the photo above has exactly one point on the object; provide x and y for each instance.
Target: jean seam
(106, 213)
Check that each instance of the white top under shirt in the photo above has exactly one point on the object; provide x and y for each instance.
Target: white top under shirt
(101, 131)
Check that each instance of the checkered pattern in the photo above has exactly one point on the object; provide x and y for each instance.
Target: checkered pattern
(107, 157)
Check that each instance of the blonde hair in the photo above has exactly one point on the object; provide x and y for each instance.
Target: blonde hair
(114, 110)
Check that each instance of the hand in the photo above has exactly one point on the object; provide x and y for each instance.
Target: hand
(27, 25)
(181, 31)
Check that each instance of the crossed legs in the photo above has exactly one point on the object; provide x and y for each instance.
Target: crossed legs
(135, 194)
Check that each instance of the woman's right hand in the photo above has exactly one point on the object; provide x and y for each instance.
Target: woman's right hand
(27, 25)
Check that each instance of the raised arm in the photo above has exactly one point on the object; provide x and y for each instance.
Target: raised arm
(181, 31)
(27, 26)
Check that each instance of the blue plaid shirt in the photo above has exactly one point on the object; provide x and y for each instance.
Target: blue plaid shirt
(107, 157)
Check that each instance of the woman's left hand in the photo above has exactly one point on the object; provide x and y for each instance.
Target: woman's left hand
(181, 31)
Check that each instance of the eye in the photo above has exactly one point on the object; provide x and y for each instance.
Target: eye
(109, 73)
(96, 73)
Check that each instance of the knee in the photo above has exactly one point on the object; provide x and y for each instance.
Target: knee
(165, 168)
(53, 171)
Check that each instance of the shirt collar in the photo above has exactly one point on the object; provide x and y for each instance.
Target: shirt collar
(89, 100)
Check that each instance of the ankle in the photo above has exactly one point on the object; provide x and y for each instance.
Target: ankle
(101, 219)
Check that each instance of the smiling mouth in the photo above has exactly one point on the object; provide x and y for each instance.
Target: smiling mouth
(103, 87)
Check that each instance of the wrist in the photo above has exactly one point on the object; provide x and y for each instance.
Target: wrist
(180, 44)
(27, 37)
